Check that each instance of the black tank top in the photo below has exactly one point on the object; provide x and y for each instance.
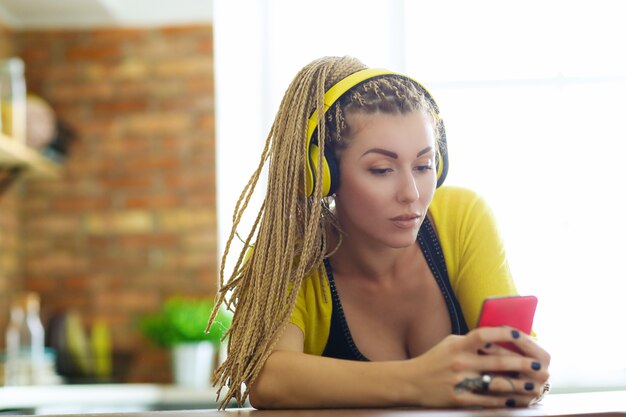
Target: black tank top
(340, 344)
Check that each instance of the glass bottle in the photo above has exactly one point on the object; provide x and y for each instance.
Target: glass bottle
(15, 333)
(25, 342)
(13, 99)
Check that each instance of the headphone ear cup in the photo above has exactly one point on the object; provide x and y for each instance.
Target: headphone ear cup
(333, 171)
(330, 171)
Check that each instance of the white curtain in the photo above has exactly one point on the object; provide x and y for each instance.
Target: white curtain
(533, 96)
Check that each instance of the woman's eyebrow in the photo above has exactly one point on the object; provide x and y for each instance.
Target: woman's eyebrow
(382, 152)
(423, 151)
(394, 155)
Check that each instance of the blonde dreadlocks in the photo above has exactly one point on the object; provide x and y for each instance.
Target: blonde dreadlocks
(290, 227)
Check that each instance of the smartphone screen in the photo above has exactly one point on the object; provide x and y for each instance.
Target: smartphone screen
(515, 311)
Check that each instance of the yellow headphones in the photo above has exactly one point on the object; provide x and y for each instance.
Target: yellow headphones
(330, 167)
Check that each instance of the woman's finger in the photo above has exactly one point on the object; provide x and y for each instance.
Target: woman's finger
(486, 337)
(497, 349)
(469, 398)
(494, 391)
(481, 337)
(522, 366)
(504, 384)
(531, 348)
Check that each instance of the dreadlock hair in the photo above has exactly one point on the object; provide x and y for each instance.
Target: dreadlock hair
(288, 237)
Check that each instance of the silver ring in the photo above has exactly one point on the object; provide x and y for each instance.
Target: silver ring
(478, 385)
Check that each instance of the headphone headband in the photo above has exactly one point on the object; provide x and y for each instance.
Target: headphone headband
(329, 166)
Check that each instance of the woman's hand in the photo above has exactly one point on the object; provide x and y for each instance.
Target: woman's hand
(472, 370)
(537, 386)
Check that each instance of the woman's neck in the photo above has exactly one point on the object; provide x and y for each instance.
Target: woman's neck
(372, 262)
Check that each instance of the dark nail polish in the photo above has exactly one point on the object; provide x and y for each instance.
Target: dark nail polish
(536, 366)
(529, 386)
(488, 345)
(515, 334)
(510, 402)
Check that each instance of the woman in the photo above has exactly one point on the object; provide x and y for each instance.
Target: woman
(361, 282)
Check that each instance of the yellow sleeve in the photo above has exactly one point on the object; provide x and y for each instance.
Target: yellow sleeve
(313, 312)
(473, 249)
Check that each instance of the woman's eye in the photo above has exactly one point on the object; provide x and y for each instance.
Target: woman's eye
(380, 171)
(423, 167)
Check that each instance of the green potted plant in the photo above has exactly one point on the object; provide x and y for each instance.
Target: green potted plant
(179, 326)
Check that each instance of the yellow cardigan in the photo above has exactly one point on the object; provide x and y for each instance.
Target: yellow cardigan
(473, 251)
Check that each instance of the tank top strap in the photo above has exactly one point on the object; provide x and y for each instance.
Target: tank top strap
(429, 242)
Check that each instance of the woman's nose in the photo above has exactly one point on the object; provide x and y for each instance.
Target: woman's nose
(408, 191)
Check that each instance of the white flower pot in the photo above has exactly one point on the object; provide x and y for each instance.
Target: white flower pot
(192, 364)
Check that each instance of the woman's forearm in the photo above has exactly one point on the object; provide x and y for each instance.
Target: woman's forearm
(446, 375)
(298, 380)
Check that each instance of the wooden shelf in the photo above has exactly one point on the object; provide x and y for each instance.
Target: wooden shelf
(14, 154)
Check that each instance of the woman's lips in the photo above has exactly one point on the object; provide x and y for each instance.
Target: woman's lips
(407, 221)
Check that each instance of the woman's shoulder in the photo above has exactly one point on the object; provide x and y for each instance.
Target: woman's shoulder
(454, 208)
(454, 198)
(314, 289)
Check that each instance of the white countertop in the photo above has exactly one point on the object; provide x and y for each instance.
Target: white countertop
(57, 399)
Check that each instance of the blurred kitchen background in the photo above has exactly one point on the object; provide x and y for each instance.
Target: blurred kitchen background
(128, 217)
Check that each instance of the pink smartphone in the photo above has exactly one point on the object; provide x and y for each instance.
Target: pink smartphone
(515, 311)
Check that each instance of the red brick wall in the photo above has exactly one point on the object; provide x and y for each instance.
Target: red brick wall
(133, 218)
(9, 224)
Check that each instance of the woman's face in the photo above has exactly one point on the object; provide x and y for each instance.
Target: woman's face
(387, 178)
